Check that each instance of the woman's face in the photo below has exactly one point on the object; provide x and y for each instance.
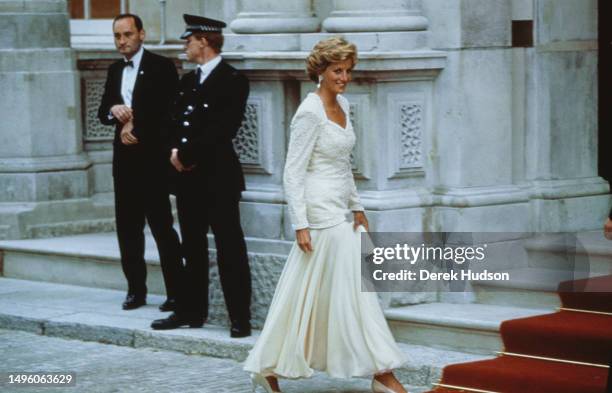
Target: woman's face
(337, 76)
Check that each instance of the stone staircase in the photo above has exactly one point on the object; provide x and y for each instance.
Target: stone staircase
(92, 260)
(431, 334)
(46, 219)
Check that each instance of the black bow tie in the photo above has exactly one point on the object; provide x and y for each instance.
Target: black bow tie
(128, 63)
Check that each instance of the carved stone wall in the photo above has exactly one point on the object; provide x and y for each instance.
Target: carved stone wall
(411, 123)
(359, 104)
(407, 115)
(247, 141)
(93, 130)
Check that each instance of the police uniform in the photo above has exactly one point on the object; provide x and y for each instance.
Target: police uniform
(206, 119)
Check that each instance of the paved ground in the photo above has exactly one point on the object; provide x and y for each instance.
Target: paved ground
(83, 322)
(111, 368)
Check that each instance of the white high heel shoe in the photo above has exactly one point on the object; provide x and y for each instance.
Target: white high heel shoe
(378, 387)
(260, 380)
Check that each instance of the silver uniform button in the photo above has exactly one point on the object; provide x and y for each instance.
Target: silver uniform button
(181, 93)
(205, 105)
(185, 124)
(189, 108)
(184, 140)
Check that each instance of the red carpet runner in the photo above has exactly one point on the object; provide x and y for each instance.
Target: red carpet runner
(570, 335)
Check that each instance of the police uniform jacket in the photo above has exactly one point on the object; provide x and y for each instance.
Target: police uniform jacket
(206, 118)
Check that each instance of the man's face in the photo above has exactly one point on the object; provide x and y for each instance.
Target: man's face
(128, 39)
(193, 47)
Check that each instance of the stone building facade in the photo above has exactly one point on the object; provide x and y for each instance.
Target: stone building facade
(471, 115)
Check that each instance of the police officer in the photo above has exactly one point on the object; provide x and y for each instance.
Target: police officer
(209, 110)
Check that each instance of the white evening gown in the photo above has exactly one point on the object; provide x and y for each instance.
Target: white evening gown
(319, 319)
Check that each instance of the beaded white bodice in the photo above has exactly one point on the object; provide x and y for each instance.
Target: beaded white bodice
(318, 179)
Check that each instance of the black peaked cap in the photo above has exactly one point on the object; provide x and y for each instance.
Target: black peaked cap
(197, 24)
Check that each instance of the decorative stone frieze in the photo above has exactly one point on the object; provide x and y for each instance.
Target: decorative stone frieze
(93, 130)
(246, 142)
(411, 126)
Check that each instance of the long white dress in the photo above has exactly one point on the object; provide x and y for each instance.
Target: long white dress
(319, 319)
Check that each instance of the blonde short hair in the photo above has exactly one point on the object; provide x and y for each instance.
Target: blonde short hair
(325, 52)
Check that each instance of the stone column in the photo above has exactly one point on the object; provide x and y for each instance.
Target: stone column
(369, 16)
(561, 130)
(273, 16)
(41, 158)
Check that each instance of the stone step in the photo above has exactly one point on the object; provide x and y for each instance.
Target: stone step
(56, 218)
(466, 327)
(93, 260)
(544, 262)
(588, 252)
(91, 314)
(527, 287)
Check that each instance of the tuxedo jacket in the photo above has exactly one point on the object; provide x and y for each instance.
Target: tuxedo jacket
(152, 98)
(206, 118)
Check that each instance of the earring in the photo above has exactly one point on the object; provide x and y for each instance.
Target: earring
(319, 84)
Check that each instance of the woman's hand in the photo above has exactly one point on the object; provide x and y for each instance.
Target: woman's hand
(302, 236)
(359, 218)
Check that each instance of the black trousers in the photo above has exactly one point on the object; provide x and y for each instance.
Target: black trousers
(197, 213)
(138, 198)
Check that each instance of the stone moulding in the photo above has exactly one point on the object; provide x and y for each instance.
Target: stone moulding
(45, 164)
(274, 22)
(338, 22)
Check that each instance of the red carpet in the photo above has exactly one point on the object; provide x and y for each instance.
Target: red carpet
(564, 335)
(509, 374)
(592, 294)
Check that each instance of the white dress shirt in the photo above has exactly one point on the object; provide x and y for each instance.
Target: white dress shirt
(208, 67)
(128, 79)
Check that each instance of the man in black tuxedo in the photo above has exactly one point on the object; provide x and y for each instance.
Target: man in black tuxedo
(208, 112)
(137, 98)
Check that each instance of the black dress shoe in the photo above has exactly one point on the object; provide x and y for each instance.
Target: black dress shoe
(239, 330)
(175, 321)
(133, 301)
(168, 305)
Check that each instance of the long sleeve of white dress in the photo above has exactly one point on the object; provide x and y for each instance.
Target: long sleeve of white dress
(354, 200)
(304, 132)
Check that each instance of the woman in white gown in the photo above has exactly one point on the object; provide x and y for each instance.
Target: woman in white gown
(319, 318)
